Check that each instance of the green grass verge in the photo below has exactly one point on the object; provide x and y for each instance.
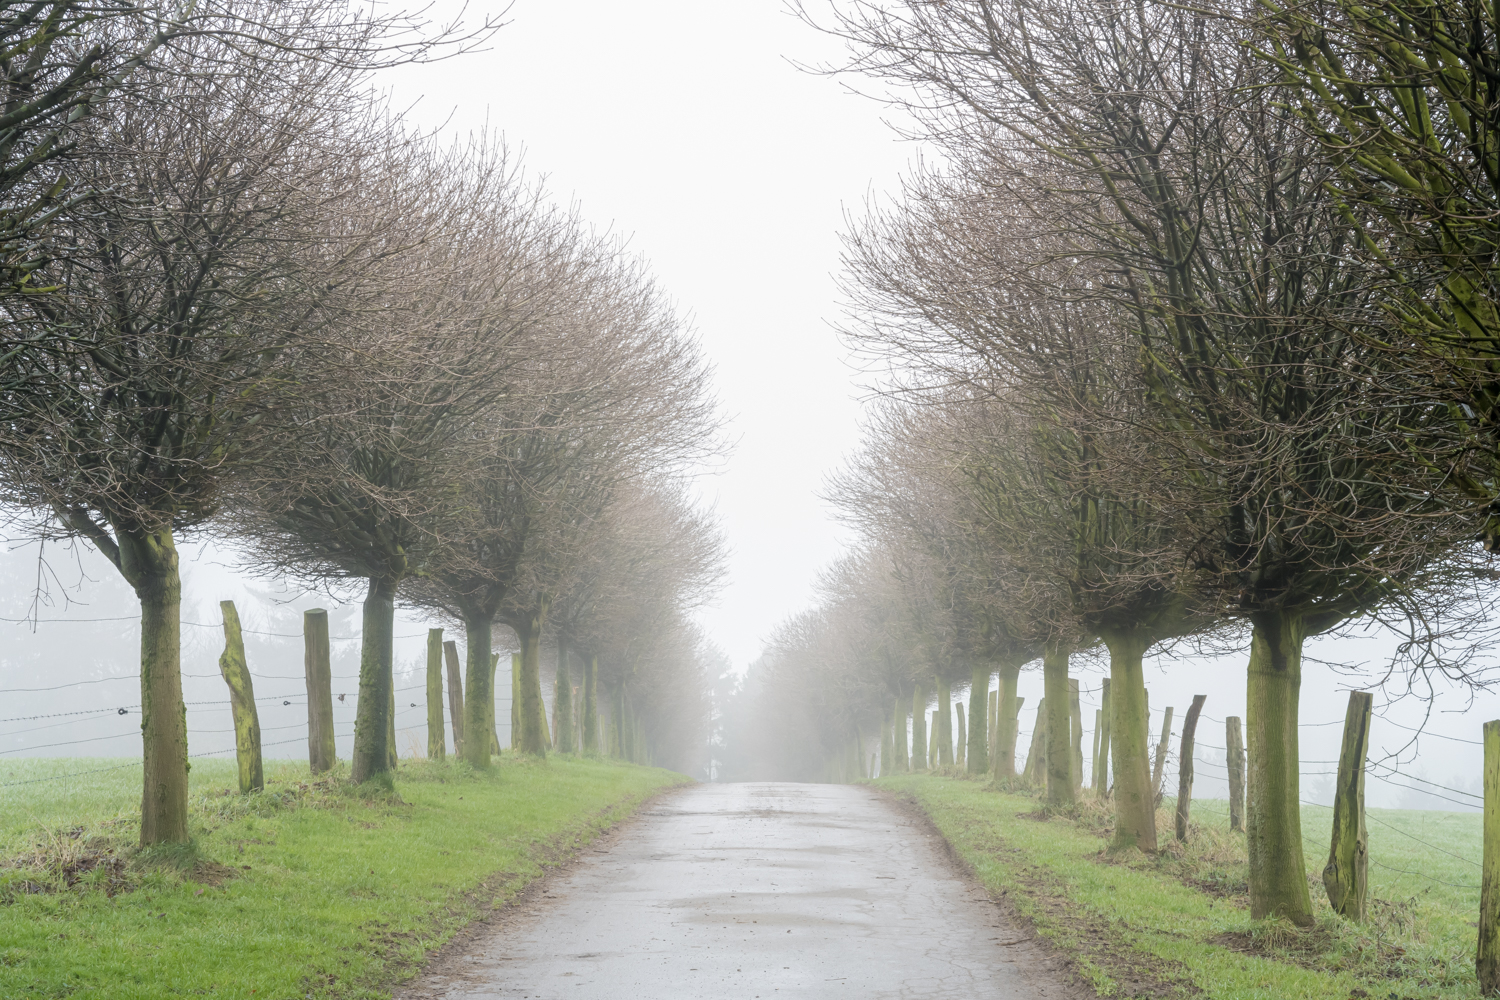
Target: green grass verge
(309, 889)
(1178, 924)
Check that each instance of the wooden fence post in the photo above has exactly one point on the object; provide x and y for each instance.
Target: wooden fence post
(993, 731)
(241, 702)
(1185, 765)
(437, 740)
(318, 671)
(961, 749)
(1234, 741)
(1160, 767)
(455, 695)
(1346, 876)
(494, 728)
(515, 700)
(1075, 715)
(1094, 757)
(1036, 769)
(1487, 955)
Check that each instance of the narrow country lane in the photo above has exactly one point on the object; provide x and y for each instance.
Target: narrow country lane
(754, 890)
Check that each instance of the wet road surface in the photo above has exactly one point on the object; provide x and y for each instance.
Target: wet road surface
(755, 891)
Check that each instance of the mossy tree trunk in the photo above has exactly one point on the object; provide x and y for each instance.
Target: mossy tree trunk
(562, 700)
(1130, 741)
(1075, 724)
(591, 706)
(479, 689)
(148, 561)
(1278, 870)
(318, 671)
(437, 738)
(961, 745)
(977, 758)
(390, 721)
(617, 724)
(1007, 721)
(1487, 954)
(372, 722)
(944, 729)
(1347, 874)
(1234, 743)
(918, 729)
(532, 715)
(992, 740)
(515, 701)
(455, 696)
(236, 673)
(1185, 766)
(900, 761)
(1058, 754)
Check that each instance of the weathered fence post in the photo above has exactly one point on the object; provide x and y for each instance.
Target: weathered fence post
(1161, 755)
(1035, 765)
(437, 740)
(1094, 756)
(961, 747)
(1487, 955)
(515, 700)
(1346, 876)
(899, 762)
(241, 702)
(1234, 741)
(934, 735)
(993, 730)
(490, 715)
(1105, 725)
(455, 695)
(391, 757)
(918, 728)
(318, 672)
(1185, 765)
(1075, 715)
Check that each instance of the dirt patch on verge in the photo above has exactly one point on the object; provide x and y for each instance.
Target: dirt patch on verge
(1074, 939)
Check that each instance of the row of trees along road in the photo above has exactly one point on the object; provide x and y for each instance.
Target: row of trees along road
(269, 311)
(1186, 336)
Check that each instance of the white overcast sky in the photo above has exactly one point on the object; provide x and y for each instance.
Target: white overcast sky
(685, 126)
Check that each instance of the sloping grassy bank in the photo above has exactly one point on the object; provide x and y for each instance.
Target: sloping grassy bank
(307, 890)
(1178, 924)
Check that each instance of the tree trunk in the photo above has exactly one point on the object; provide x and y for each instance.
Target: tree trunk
(479, 689)
(961, 747)
(562, 700)
(1278, 870)
(1130, 741)
(515, 701)
(1106, 736)
(1094, 758)
(977, 755)
(1346, 876)
(455, 696)
(944, 729)
(372, 715)
(918, 729)
(236, 673)
(532, 715)
(1234, 742)
(1160, 767)
(1487, 954)
(900, 761)
(148, 561)
(1075, 720)
(390, 718)
(1036, 754)
(887, 744)
(494, 723)
(437, 739)
(318, 670)
(591, 706)
(1007, 722)
(1185, 765)
(617, 725)
(992, 742)
(1059, 754)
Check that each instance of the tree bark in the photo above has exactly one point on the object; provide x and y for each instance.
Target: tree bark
(1007, 722)
(437, 739)
(1130, 739)
(515, 701)
(532, 715)
(1058, 753)
(887, 744)
(1234, 742)
(372, 716)
(1094, 758)
(494, 727)
(1185, 766)
(1075, 722)
(148, 561)
(1278, 870)
(900, 762)
(591, 706)
(1160, 768)
(1346, 876)
(479, 690)
(918, 729)
(236, 673)
(455, 696)
(944, 728)
(1487, 954)
(977, 758)
(992, 744)
(318, 670)
(390, 716)
(961, 746)
(562, 700)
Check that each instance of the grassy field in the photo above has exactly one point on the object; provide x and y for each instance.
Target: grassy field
(307, 890)
(1178, 924)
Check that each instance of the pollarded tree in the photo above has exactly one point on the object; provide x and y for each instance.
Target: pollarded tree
(208, 249)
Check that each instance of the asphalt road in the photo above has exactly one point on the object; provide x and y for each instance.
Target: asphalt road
(754, 891)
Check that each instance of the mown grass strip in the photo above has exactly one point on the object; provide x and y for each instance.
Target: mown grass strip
(307, 890)
(1178, 924)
